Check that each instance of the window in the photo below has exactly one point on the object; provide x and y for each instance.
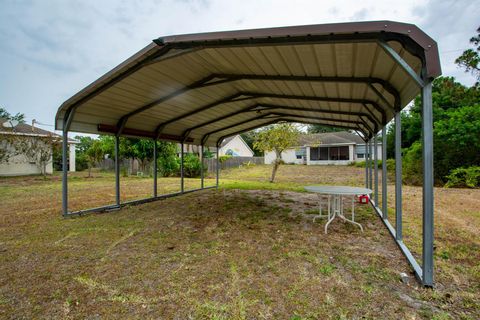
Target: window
(343, 153)
(299, 156)
(360, 156)
(329, 153)
(323, 153)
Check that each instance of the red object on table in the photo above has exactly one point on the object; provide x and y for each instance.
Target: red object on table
(363, 199)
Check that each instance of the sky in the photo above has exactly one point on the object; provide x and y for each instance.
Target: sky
(49, 50)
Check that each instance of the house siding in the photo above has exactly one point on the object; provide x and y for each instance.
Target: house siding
(238, 146)
(289, 156)
(19, 165)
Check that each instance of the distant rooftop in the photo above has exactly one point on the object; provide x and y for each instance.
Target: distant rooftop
(26, 129)
(342, 137)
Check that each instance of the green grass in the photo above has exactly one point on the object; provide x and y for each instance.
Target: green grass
(249, 250)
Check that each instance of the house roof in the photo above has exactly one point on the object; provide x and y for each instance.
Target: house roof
(227, 140)
(202, 88)
(342, 137)
(25, 129)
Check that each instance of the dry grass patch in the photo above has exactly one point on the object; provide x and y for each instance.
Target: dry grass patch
(231, 254)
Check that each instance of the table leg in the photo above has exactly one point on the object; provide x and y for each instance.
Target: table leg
(319, 208)
(353, 215)
(333, 210)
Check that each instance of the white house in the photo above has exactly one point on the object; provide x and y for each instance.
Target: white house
(13, 163)
(235, 146)
(339, 148)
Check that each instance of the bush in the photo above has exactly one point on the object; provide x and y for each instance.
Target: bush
(412, 165)
(207, 154)
(464, 177)
(363, 164)
(168, 165)
(81, 162)
(224, 158)
(191, 165)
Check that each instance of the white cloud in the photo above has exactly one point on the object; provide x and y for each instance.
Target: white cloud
(49, 50)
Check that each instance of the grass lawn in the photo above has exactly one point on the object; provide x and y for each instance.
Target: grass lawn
(249, 250)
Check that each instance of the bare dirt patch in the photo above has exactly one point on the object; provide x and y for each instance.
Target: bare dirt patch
(228, 254)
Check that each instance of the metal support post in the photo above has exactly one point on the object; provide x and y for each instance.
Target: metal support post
(398, 176)
(182, 182)
(375, 163)
(202, 177)
(117, 170)
(155, 168)
(218, 166)
(366, 165)
(427, 146)
(384, 173)
(370, 167)
(64, 171)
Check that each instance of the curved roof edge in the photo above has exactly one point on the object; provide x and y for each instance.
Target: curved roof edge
(163, 45)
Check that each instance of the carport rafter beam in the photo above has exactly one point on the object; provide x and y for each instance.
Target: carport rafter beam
(268, 114)
(384, 118)
(291, 121)
(251, 95)
(264, 107)
(226, 78)
(230, 98)
(219, 140)
(307, 110)
(315, 118)
(197, 84)
(382, 97)
(322, 122)
(402, 63)
(366, 80)
(332, 38)
(370, 129)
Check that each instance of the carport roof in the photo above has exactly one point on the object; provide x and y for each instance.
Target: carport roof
(201, 88)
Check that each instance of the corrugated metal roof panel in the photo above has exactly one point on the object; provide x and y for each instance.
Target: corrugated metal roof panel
(160, 89)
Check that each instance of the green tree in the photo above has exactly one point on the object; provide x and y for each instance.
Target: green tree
(470, 58)
(249, 138)
(94, 155)
(168, 162)
(456, 131)
(446, 94)
(277, 138)
(319, 128)
(20, 117)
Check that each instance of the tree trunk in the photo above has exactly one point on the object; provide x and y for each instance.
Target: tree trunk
(276, 163)
(89, 171)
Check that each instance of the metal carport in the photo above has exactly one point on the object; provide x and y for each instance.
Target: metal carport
(201, 88)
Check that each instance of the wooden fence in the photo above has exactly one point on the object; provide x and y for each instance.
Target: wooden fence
(132, 166)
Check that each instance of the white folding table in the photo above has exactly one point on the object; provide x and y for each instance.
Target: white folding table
(335, 195)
